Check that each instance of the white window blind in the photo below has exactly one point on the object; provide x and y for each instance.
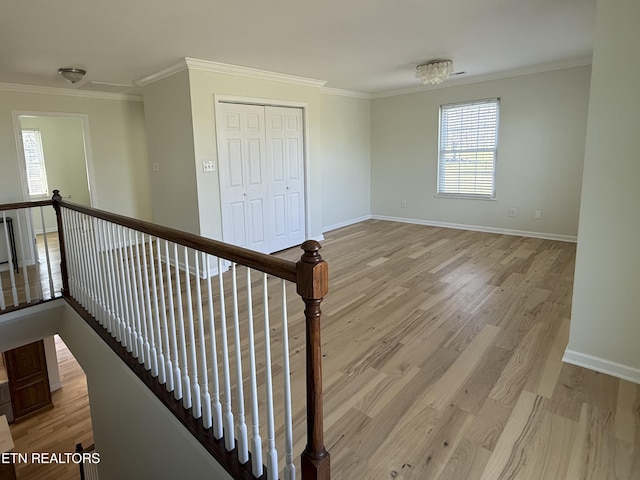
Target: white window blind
(468, 149)
(34, 159)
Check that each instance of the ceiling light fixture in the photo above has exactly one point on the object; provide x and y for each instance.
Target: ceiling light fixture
(71, 74)
(434, 72)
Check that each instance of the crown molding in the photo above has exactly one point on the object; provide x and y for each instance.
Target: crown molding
(167, 72)
(345, 93)
(546, 67)
(16, 88)
(215, 67)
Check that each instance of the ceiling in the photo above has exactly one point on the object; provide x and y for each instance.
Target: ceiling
(368, 46)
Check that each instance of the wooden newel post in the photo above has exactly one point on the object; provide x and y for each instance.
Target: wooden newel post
(312, 285)
(63, 259)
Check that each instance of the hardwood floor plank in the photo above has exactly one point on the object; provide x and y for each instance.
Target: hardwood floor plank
(510, 453)
(467, 462)
(553, 363)
(486, 429)
(472, 323)
(626, 420)
(441, 393)
(593, 452)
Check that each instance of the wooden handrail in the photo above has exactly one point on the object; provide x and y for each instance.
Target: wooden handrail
(259, 261)
(19, 205)
(310, 274)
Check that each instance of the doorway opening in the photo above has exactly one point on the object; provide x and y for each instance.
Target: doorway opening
(54, 153)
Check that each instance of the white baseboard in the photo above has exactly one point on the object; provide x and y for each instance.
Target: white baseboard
(602, 365)
(55, 386)
(346, 223)
(478, 228)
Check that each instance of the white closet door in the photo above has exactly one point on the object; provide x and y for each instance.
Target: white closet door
(243, 176)
(285, 170)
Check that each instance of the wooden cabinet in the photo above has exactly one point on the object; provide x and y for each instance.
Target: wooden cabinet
(28, 379)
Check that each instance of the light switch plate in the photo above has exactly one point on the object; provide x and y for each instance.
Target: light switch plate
(208, 166)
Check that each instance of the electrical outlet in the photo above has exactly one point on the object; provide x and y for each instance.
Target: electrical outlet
(537, 214)
(155, 166)
(403, 203)
(512, 212)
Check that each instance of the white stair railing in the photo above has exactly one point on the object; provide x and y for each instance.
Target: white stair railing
(31, 272)
(206, 320)
(156, 298)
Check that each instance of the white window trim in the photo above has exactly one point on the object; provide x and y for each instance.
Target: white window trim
(42, 165)
(460, 195)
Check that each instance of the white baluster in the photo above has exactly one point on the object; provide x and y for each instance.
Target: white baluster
(32, 239)
(272, 454)
(103, 254)
(177, 373)
(158, 356)
(168, 366)
(215, 384)
(138, 291)
(114, 276)
(25, 270)
(186, 381)
(151, 359)
(121, 286)
(14, 291)
(256, 440)
(127, 305)
(206, 397)
(46, 251)
(80, 256)
(94, 247)
(289, 466)
(227, 412)
(88, 251)
(243, 447)
(132, 334)
(196, 410)
(70, 252)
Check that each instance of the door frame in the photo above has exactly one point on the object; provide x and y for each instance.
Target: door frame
(88, 155)
(218, 99)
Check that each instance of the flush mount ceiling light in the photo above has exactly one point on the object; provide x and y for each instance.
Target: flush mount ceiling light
(71, 74)
(434, 72)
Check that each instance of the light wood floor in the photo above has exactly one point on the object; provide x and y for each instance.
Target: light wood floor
(36, 277)
(442, 360)
(59, 429)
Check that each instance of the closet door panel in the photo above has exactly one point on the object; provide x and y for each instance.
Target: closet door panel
(261, 176)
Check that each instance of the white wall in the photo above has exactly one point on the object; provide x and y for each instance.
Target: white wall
(63, 148)
(170, 142)
(346, 159)
(117, 136)
(540, 153)
(204, 85)
(605, 322)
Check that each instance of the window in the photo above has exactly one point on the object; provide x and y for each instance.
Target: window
(468, 148)
(34, 159)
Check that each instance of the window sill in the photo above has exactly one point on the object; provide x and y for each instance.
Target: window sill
(466, 197)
